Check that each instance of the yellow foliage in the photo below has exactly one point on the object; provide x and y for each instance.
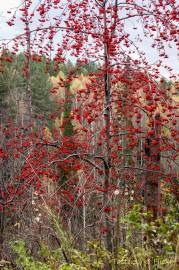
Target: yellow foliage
(176, 98)
(47, 133)
(79, 83)
(56, 84)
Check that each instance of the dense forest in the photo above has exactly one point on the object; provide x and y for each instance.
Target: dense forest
(89, 137)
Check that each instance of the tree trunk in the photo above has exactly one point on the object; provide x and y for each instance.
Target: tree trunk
(177, 253)
(107, 98)
(152, 181)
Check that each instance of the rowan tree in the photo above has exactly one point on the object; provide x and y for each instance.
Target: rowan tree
(122, 120)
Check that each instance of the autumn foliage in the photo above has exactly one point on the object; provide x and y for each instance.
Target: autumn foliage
(110, 140)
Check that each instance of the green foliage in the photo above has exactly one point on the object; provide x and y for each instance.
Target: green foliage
(52, 260)
(163, 230)
(158, 238)
(51, 257)
(5, 265)
(26, 261)
(40, 86)
(68, 127)
(160, 235)
(72, 267)
(155, 252)
(13, 85)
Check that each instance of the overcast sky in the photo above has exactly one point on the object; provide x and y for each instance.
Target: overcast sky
(7, 33)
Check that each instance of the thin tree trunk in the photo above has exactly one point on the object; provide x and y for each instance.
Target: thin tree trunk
(177, 253)
(1, 233)
(107, 98)
(152, 181)
(28, 71)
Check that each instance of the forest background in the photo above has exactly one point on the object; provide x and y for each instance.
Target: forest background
(89, 136)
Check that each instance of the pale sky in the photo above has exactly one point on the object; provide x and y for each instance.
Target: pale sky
(5, 5)
(7, 33)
